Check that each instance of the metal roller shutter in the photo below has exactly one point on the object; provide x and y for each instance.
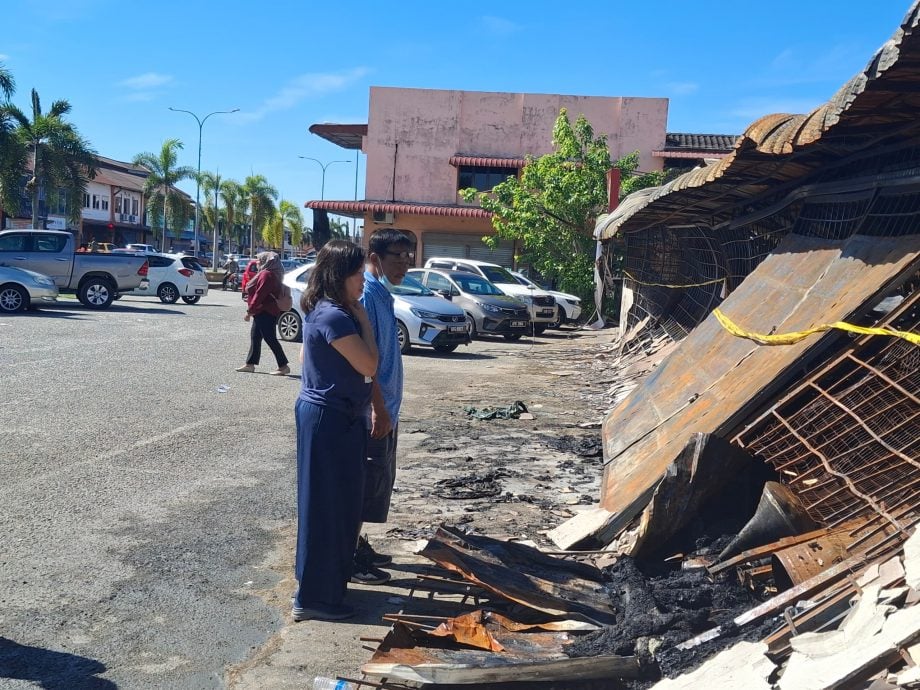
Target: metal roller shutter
(466, 247)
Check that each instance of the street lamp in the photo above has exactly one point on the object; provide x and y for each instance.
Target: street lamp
(322, 189)
(201, 122)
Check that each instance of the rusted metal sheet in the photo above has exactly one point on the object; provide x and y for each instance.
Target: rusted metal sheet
(537, 581)
(414, 656)
(713, 379)
(475, 629)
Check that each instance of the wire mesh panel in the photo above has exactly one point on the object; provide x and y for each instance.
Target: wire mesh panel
(847, 440)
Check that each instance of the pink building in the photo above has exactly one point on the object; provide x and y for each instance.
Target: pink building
(423, 145)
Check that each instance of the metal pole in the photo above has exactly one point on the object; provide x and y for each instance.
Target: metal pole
(322, 188)
(354, 221)
(200, 122)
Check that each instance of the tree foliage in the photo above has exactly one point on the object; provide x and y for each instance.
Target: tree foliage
(13, 153)
(62, 160)
(552, 207)
(165, 205)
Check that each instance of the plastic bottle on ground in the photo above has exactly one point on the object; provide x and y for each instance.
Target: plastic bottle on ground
(323, 683)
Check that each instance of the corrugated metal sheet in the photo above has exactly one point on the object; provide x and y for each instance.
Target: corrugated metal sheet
(882, 99)
(713, 379)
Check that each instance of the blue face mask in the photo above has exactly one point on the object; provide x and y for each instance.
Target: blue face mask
(385, 281)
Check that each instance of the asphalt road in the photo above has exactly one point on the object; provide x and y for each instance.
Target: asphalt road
(145, 483)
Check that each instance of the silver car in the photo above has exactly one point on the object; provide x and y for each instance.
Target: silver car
(490, 311)
(424, 318)
(21, 288)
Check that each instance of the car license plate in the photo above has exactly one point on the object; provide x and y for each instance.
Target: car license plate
(546, 312)
(518, 324)
(199, 291)
(456, 329)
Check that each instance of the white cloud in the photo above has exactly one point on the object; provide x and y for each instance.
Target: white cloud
(682, 88)
(499, 25)
(149, 80)
(301, 88)
(4, 58)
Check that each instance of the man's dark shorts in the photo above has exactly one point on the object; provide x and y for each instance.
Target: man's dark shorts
(380, 475)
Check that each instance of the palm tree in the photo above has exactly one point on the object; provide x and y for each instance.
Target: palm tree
(13, 153)
(162, 199)
(210, 188)
(260, 196)
(61, 158)
(231, 193)
(287, 218)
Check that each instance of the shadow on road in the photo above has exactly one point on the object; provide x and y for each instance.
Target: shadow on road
(49, 669)
(456, 354)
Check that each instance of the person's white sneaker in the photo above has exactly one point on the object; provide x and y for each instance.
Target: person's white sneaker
(247, 368)
(283, 371)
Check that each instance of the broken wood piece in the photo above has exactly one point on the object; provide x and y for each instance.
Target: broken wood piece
(744, 665)
(525, 576)
(589, 529)
(861, 651)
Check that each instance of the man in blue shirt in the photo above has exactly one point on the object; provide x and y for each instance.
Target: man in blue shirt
(389, 258)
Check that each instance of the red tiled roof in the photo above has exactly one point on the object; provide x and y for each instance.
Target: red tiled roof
(358, 208)
(487, 161)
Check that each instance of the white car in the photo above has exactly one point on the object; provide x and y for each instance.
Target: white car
(423, 317)
(540, 304)
(142, 248)
(569, 305)
(21, 289)
(171, 276)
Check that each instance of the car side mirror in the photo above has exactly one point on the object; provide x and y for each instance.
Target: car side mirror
(445, 293)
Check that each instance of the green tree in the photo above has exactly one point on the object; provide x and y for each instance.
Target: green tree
(287, 218)
(62, 160)
(164, 202)
(210, 190)
(260, 197)
(552, 207)
(231, 193)
(13, 153)
(338, 229)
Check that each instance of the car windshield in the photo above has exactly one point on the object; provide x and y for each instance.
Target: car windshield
(191, 263)
(522, 280)
(497, 274)
(475, 285)
(410, 286)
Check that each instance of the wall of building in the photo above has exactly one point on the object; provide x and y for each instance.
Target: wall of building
(412, 133)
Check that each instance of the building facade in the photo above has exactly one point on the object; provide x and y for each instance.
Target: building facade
(424, 145)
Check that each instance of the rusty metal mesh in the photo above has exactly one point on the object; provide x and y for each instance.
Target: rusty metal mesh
(847, 440)
(679, 274)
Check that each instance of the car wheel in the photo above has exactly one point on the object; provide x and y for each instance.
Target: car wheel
(512, 336)
(538, 328)
(13, 298)
(472, 322)
(559, 319)
(168, 293)
(191, 299)
(402, 334)
(445, 348)
(289, 326)
(96, 293)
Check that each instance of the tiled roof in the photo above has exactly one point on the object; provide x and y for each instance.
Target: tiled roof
(675, 141)
(487, 161)
(880, 102)
(359, 208)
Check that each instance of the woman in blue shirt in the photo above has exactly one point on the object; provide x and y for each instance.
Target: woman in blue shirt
(339, 357)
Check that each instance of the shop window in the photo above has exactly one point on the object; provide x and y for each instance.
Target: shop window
(482, 178)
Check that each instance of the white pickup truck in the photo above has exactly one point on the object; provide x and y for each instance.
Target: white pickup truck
(96, 277)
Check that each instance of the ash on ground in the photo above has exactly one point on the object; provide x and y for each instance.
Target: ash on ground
(656, 610)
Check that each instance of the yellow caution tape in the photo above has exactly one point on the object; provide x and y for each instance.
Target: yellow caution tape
(665, 285)
(791, 338)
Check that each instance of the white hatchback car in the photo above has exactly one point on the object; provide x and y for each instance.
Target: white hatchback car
(171, 276)
(569, 305)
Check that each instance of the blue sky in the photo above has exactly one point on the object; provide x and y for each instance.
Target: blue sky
(288, 64)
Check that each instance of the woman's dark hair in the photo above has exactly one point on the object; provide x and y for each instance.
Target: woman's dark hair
(336, 261)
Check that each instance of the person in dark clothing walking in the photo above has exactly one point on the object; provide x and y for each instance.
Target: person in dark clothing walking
(262, 294)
